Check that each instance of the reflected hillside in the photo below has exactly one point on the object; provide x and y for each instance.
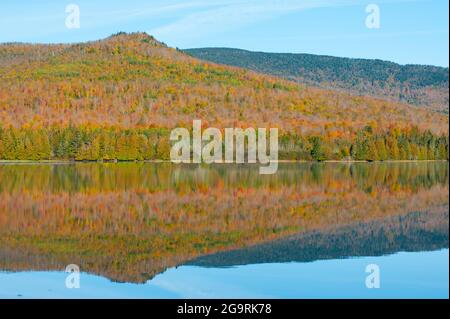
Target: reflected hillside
(413, 232)
(129, 222)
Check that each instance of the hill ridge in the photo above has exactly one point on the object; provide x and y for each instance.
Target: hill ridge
(416, 84)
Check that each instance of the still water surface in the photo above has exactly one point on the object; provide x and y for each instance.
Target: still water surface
(145, 230)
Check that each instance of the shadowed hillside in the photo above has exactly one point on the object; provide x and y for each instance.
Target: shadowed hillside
(423, 85)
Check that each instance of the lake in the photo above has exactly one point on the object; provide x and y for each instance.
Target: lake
(160, 230)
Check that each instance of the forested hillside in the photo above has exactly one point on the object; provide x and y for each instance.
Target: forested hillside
(415, 84)
(118, 98)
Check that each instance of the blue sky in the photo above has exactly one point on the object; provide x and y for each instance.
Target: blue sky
(411, 31)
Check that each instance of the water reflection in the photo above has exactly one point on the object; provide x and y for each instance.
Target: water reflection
(414, 232)
(130, 222)
(404, 275)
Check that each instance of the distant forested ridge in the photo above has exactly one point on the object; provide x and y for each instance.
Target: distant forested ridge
(119, 98)
(423, 85)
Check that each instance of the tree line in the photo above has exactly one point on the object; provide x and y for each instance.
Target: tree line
(367, 145)
(113, 144)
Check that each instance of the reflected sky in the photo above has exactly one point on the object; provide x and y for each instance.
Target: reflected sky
(403, 275)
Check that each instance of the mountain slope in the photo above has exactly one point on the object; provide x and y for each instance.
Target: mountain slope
(414, 84)
(117, 98)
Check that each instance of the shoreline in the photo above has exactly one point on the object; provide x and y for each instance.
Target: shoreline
(66, 162)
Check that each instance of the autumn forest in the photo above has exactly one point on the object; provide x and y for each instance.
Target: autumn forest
(118, 99)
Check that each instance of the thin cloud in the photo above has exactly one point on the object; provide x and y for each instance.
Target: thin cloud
(224, 16)
(229, 16)
(365, 35)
